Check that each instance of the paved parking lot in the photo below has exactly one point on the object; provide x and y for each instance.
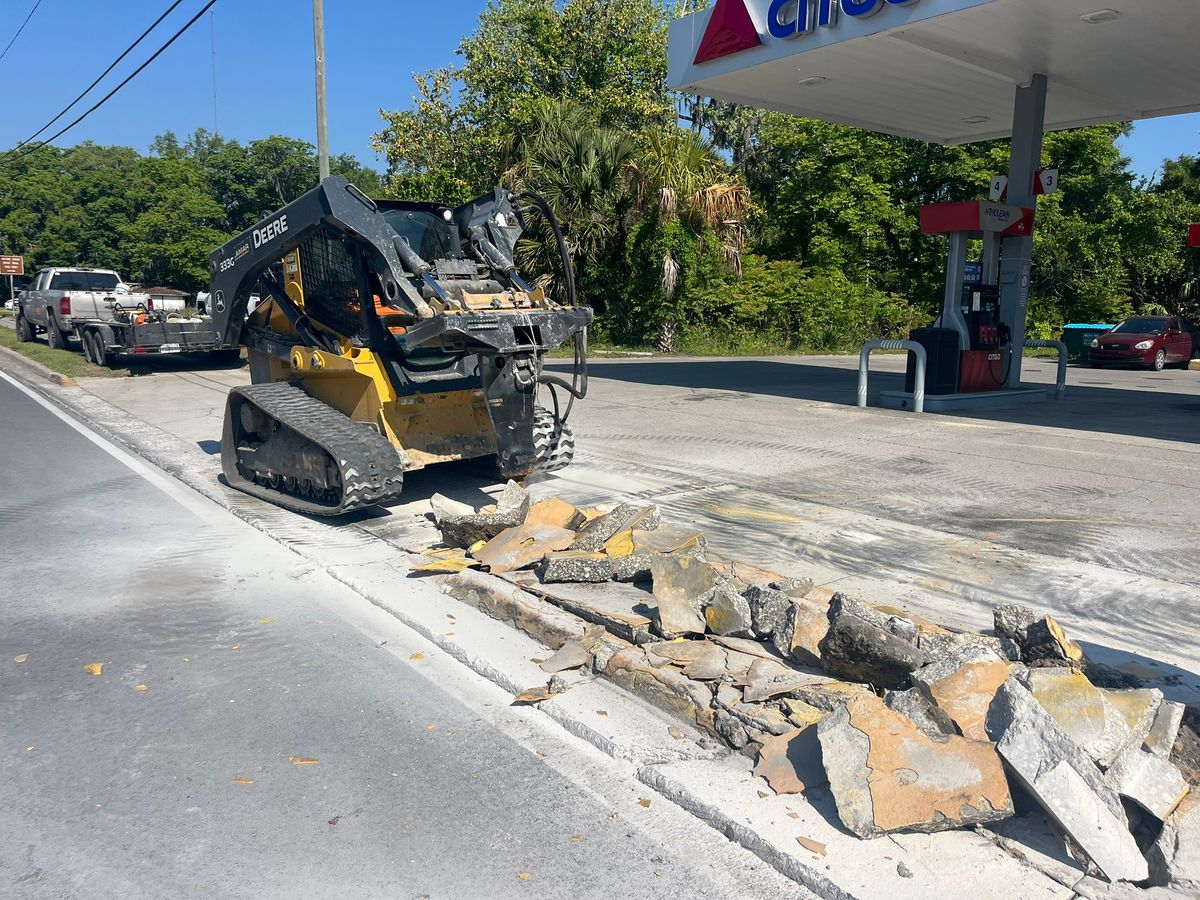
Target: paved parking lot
(1086, 506)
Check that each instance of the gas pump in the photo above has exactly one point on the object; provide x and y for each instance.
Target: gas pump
(969, 347)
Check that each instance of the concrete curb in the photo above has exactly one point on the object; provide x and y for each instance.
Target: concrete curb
(378, 572)
(25, 364)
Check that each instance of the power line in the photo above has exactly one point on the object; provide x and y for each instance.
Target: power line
(88, 89)
(157, 53)
(22, 28)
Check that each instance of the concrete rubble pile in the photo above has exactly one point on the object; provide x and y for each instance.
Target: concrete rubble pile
(906, 725)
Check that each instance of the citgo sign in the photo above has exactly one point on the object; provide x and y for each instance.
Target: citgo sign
(730, 28)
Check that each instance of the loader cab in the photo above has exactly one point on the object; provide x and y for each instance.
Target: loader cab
(429, 229)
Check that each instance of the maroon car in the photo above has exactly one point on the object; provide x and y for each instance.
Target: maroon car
(1153, 341)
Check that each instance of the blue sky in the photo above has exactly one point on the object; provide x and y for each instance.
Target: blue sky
(264, 81)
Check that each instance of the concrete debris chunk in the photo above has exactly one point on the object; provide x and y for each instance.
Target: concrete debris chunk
(681, 586)
(940, 645)
(570, 655)
(668, 540)
(1139, 708)
(918, 709)
(1150, 781)
(749, 647)
(556, 512)
(791, 762)
(1175, 855)
(799, 713)
(793, 587)
(886, 775)
(707, 668)
(804, 626)
(762, 718)
(1081, 710)
(961, 687)
(463, 529)
(863, 645)
(524, 545)
(730, 729)
(1164, 729)
(1064, 781)
(831, 695)
(768, 609)
(728, 612)
(778, 684)
(444, 506)
(574, 565)
(625, 517)
(1040, 637)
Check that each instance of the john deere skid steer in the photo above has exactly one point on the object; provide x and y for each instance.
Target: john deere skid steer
(391, 335)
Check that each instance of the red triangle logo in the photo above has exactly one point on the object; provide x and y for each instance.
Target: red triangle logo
(729, 31)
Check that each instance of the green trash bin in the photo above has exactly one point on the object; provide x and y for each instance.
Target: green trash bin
(1078, 338)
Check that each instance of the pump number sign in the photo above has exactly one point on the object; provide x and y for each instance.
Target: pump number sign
(12, 265)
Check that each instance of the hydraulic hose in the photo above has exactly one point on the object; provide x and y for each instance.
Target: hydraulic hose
(577, 389)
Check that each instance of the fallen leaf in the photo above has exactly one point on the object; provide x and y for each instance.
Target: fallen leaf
(476, 547)
(763, 795)
(236, 647)
(303, 761)
(451, 564)
(812, 846)
(28, 749)
(533, 695)
(451, 616)
(676, 733)
(185, 659)
(657, 874)
(449, 634)
(536, 661)
(644, 802)
(20, 659)
(431, 727)
(577, 838)
(241, 780)
(140, 687)
(417, 655)
(541, 753)
(94, 668)
(265, 620)
(793, 815)
(524, 876)
(602, 712)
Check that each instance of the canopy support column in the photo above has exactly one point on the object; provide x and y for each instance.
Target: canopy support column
(1029, 119)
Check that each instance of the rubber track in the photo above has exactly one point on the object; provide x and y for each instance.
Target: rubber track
(372, 470)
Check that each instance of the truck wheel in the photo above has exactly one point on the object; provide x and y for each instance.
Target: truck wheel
(24, 329)
(55, 336)
(100, 355)
(86, 341)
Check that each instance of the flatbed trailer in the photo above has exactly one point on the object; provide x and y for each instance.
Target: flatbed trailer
(104, 341)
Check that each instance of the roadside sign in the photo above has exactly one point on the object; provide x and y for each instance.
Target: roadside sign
(1046, 182)
(12, 265)
(999, 188)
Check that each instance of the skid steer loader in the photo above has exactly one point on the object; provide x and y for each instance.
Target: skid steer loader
(391, 335)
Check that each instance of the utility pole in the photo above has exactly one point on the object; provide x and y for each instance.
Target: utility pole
(322, 117)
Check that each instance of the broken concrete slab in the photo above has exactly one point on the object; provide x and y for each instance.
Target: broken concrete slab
(1064, 781)
(940, 645)
(1081, 710)
(708, 668)
(556, 512)
(1138, 707)
(665, 688)
(887, 775)
(464, 530)
(570, 655)
(795, 588)
(799, 713)
(791, 762)
(620, 608)
(574, 565)
(961, 686)
(681, 586)
(668, 540)
(524, 545)
(768, 609)
(727, 612)
(1040, 637)
(1150, 781)
(749, 647)
(863, 645)
(625, 517)
(804, 626)
(830, 695)
(762, 718)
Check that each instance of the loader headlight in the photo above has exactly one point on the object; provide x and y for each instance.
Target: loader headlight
(1095, 342)
(1143, 345)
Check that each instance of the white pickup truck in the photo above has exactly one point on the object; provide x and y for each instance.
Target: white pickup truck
(61, 299)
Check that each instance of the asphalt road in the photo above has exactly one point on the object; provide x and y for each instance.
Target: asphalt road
(254, 731)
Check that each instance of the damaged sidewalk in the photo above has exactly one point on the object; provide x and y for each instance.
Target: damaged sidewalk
(891, 724)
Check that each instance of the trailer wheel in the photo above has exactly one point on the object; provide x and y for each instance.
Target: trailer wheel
(86, 341)
(100, 354)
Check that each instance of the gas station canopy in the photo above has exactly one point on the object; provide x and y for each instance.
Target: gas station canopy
(943, 70)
